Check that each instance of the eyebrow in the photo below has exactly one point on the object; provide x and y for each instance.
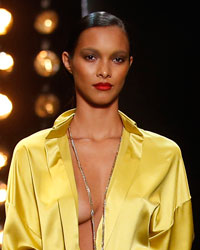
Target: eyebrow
(97, 52)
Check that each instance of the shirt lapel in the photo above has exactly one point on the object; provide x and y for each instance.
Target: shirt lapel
(126, 165)
(64, 187)
(61, 170)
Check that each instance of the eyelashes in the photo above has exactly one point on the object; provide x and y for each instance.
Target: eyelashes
(90, 58)
(117, 60)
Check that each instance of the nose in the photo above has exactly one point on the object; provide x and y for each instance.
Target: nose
(104, 70)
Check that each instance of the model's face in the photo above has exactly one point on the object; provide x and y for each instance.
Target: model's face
(99, 65)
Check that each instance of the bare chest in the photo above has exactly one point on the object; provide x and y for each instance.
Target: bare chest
(97, 161)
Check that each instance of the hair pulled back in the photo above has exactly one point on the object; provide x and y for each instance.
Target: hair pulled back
(95, 19)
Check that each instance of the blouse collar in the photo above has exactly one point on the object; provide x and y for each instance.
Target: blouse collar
(63, 121)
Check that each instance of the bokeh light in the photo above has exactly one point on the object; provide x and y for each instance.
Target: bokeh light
(46, 63)
(46, 22)
(3, 158)
(47, 105)
(5, 107)
(6, 21)
(3, 192)
(1, 237)
(6, 62)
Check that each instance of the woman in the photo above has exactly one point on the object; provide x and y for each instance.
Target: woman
(95, 180)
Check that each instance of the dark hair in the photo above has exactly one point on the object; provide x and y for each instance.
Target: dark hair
(95, 19)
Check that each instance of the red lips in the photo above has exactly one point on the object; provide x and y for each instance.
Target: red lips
(103, 86)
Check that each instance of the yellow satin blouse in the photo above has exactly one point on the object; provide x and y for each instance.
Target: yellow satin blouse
(148, 200)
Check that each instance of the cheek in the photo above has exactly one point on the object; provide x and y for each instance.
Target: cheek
(120, 74)
(83, 71)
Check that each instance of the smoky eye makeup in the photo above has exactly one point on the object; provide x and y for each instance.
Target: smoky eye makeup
(119, 58)
(89, 55)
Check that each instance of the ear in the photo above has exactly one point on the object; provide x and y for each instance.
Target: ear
(130, 61)
(66, 61)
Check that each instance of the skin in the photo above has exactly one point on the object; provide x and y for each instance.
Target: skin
(101, 55)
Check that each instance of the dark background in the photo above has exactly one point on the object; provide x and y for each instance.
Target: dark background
(161, 90)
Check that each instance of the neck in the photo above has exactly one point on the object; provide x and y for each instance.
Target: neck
(96, 123)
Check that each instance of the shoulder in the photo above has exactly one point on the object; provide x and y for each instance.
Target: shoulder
(150, 140)
(35, 140)
(159, 148)
(158, 141)
(162, 162)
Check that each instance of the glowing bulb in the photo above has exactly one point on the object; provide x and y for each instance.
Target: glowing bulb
(46, 22)
(49, 108)
(43, 54)
(46, 63)
(47, 105)
(3, 158)
(6, 62)
(5, 107)
(6, 21)
(3, 192)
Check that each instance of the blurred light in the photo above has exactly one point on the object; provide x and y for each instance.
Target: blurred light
(6, 62)
(5, 107)
(46, 63)
(45, 3)
(84, 8)
(46, 22)
(6, 21)
(3, 158)
(1, 237)
(3, 192)
(47, 105)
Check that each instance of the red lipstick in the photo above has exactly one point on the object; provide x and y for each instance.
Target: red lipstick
(103, 86)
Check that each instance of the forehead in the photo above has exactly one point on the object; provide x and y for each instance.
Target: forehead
(109, 37)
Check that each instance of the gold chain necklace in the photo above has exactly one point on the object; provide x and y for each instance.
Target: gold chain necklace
(89, 193)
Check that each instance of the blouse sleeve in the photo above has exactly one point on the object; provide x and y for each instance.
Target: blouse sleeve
(179, 235)
(172, 222)
(21, 230)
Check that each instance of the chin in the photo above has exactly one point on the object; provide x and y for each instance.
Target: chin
(97, 101)
(101, 103)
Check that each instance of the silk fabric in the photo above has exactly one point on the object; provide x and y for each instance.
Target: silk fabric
(148, 199)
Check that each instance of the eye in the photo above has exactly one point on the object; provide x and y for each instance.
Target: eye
(118, 60)
(90, 58)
